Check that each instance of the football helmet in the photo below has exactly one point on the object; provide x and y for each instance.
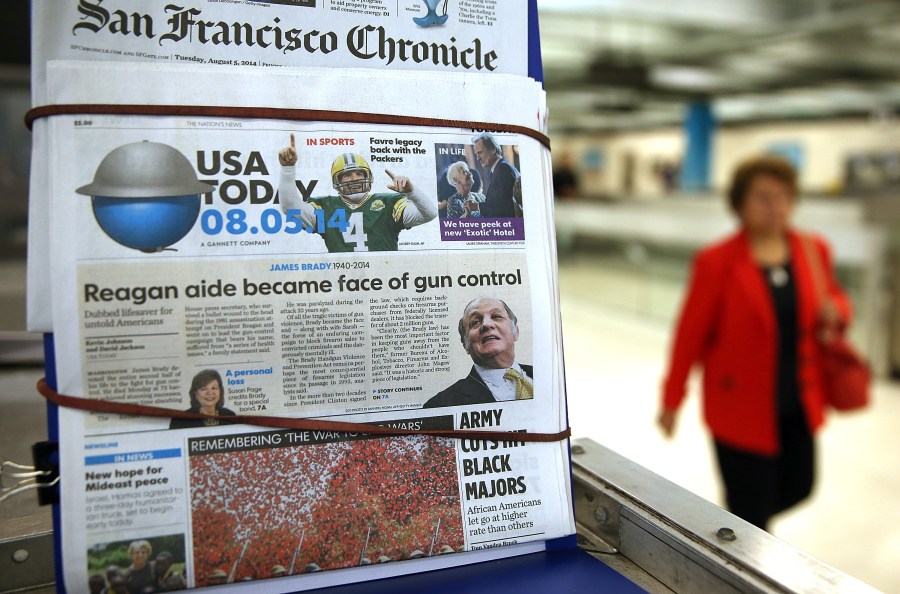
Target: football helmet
(348, 163)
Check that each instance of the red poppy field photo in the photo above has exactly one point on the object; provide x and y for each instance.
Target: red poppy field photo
(280, 511)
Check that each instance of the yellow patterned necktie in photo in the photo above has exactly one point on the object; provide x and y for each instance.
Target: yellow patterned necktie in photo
(524, 388)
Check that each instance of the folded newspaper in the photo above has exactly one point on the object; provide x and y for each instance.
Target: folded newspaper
(485, 37)
(266, 262)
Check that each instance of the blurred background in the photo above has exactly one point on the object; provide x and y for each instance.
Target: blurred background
(652, 103)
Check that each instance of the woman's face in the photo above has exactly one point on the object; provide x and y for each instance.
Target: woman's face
(768, 206)
(139, 557)
(208, 396)
(463, 182)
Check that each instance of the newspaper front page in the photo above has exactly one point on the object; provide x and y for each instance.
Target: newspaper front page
(467, 36)
(301, 269)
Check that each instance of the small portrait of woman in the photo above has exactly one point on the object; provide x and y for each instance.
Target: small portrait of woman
(139, 574)
(207, 398)
(464, 203)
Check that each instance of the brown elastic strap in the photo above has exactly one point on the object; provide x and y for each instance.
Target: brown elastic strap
(274, 113)
(123, 408)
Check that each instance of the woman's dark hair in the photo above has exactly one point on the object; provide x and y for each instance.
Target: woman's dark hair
(750, 169)
(200, 380)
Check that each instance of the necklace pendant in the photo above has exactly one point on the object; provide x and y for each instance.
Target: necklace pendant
(778, 276)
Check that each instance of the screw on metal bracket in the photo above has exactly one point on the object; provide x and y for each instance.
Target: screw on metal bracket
(577, 449)
(601, 515)
(726, 534)
(20, 556)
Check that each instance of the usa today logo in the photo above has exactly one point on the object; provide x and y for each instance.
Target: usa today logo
(145, 196)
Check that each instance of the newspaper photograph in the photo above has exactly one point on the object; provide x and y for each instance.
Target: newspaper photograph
(300, 269)
(308, 507)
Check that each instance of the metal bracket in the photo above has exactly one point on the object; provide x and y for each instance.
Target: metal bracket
(43, 476)
(597, 518)
(681, 541)
(26, 554)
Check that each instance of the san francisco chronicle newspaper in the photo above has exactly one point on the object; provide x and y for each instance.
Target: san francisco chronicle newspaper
(483, 37)
(366, 272)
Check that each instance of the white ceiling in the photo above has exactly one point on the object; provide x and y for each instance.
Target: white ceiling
(625, 64)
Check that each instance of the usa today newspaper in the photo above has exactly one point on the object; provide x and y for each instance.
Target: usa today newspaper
(303, 269)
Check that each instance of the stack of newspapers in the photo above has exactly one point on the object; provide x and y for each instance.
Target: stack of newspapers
(329, 210)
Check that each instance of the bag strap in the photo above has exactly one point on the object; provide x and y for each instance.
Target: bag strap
(815, 265)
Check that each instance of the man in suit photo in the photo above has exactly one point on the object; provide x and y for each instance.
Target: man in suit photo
(498, 193)
(488, 330)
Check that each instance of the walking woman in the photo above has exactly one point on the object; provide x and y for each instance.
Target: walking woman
(752, 319)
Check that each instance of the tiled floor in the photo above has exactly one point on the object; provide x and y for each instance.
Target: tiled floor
(614, 358)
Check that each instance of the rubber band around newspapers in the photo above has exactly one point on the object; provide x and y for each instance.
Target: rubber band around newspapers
(273, 113)
(142, 410)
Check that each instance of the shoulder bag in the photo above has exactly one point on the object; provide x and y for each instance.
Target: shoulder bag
(845, 374)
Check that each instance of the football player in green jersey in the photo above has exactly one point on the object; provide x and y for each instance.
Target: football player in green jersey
(356, 220)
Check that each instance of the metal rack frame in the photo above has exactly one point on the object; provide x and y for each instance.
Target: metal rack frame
(655, 533)
(666, 539)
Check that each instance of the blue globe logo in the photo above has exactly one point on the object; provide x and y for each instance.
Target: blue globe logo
(432, 17)
(145, 195)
